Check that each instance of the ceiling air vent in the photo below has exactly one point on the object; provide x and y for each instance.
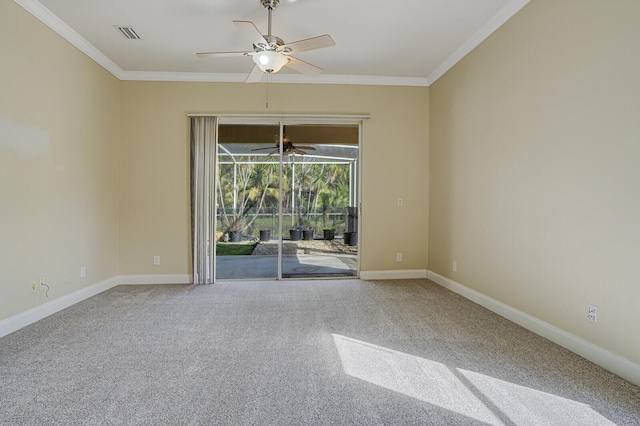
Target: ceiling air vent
(127, 32)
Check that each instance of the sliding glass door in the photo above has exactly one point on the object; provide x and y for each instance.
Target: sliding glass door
(247, 201)
(286, 200)
(320, 164)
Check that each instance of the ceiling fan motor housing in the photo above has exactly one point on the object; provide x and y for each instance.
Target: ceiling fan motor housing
(270, 4)
(274, 43)
(270, 53)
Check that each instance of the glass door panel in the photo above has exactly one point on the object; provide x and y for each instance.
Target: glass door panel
(247, 194)
(286, 206)
(320, 167)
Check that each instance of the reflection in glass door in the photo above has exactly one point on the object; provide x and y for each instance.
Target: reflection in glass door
(286, 201)
(247, 202)
(319, 203)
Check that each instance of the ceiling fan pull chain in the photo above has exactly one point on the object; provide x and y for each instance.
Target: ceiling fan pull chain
(267, 105)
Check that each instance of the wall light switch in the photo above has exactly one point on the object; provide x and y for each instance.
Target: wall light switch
(156, 260)
(400, 202)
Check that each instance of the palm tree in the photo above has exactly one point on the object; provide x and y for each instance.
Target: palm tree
(253, 182)
(323, 187)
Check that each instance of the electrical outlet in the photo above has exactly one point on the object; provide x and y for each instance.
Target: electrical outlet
(156, 260)
(83, 271)
(66, 277)
(592, 313)
(454, 267)
(43, 286)
(400, 202)
(398, 257)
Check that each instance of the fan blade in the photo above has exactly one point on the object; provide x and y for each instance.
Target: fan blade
(308, 44)
(261, 149)
(251, 32)
(299, 151)
(302, 66)
(255, 75)
(222, 54)
(309, 148)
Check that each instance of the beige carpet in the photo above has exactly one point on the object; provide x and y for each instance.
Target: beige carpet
(292, 353)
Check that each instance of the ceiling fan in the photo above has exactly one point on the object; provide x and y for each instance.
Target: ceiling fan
(270, 53)
(287, 147)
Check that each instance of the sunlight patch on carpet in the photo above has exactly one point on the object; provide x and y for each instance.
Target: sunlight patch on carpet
(468, 393)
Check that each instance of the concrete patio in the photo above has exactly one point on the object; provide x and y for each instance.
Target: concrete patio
(300, 259)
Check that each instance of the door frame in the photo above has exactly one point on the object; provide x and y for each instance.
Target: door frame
(295, 119)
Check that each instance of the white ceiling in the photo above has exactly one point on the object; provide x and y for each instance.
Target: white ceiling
(406, 42)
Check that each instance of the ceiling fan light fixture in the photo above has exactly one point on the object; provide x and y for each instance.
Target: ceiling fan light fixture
(269, 61)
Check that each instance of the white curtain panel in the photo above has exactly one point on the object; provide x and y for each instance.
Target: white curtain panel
(203, 161)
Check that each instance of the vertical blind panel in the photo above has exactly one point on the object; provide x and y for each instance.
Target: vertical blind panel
(203, 140)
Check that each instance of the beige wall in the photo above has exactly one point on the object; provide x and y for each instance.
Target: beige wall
(535, 168)
(94, 171)
(154, 207)
(59, 132)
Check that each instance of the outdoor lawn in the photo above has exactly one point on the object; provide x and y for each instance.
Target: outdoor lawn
(235, 249)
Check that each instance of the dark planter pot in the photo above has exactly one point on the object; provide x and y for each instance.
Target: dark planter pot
(329, 234)
(265, 235)
(307, 234)
(351, 238)
(235, 236)
(295, 234)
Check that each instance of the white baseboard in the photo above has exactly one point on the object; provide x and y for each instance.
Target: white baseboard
(155, 279)
(37, 313)
(403, 274)
(624, 368)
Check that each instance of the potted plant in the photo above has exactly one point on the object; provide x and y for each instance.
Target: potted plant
(237, 224)
(351, 238)
(295, 234)
(307, 228)
(265, 234)
(329, 233)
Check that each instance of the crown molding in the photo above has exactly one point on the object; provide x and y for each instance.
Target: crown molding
(52, 21)
(276, 78)
(56, 24)
(510, 9)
